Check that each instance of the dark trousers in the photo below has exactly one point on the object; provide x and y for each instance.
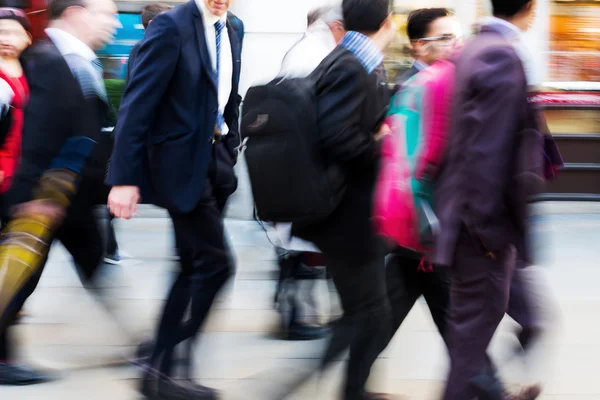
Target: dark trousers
(479, 299)
(111, 239)
(80, 234)
(406, 283)
(205, 261)
(364, 327)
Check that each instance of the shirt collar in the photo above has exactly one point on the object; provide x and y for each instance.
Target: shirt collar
(363, 49)
(208, 17)
(505, 28)
(69, 44)
(420, 65)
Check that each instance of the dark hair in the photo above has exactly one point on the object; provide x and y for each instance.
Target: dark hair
(508, 8)
(58, 7)
(16, 15)
(365, 16)
(151, 11)
(312, 16)
(419, 21)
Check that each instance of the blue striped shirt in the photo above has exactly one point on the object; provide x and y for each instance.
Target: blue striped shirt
(363, 49)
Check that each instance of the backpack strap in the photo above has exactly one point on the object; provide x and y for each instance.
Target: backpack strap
(237, 25)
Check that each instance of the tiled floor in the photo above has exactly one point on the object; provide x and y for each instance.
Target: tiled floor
(67, 330)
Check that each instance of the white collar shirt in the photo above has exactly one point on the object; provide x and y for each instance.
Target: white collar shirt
(225, 84)
(68, 46)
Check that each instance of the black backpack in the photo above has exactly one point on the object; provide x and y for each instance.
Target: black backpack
(291, 180)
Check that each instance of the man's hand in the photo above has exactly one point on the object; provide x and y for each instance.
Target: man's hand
(45, 207)
(123, 200)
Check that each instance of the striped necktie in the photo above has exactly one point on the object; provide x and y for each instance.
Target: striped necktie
(219, 26)
(89, 75)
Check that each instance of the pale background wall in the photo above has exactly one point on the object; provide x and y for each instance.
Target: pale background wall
(272, 27)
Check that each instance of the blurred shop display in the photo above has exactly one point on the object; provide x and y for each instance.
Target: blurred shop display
(115, 56)
(574, 41)
(37, 12)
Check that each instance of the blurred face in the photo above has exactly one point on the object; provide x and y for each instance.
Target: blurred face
(13, 38)
(441, 39)
(218, 7)
(100, 23)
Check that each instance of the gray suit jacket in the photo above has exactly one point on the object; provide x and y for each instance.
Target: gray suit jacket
(480, 187)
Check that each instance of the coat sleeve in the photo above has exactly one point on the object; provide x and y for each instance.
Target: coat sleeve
(491, 121)
(340, 98)
(150, 76)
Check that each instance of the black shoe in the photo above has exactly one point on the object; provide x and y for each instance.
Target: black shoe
(18, 375)
(142, 354)
(144, 351)
(185, 390)
(306, 332)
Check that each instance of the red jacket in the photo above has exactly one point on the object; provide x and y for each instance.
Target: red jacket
(10, 151)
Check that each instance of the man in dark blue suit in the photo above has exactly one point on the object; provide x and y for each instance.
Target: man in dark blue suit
(177, 133)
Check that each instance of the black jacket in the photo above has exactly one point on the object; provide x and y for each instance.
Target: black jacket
(351, 106)
(57, 111)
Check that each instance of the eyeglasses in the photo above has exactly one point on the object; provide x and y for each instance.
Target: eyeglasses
(445, 40)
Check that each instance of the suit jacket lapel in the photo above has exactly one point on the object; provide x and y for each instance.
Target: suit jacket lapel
(203, 47)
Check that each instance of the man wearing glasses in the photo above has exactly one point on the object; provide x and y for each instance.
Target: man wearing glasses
(433, 32)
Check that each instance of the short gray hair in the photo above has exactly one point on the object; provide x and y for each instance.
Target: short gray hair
(327, 14)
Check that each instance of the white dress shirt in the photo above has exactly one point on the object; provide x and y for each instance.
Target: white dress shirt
(68, 44)
(306, 55)
(226, 58)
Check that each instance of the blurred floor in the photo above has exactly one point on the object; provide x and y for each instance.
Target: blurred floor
(66, 330)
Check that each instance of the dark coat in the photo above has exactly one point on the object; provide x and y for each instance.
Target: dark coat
(57, 111)
(351, 104)
(132, 57)
(478, 186)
